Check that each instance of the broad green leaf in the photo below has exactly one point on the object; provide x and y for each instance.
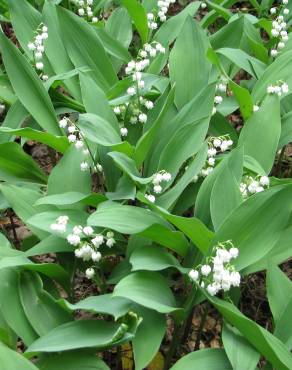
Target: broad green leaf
(59, 143)
(98, 130)
(125, 219)
(153, 258)
(76, 360)
(79, 38)
(128, 166)
(243, 98)
(112, 46)
(17, 166)
(149, 289)
(13, 360)
(11, 307)
(280, 69)
(135, 220)
(188, 66)
(220, 10)
(240, 58)
(267, 344)
(72, 197)
(148, 338)
(170, 29)
(239, 351)
(261, 133)
(66, 176)
(41, 310)
(168, 199)
(52, 270)
(82, 334)
(51, 244)
(279, 291)
(28, 87)
(195, 111)
(13, 120)
(23, 204)
(225, 194)
(205, 359)
(233, 161)
(55, 50)
(6, 91)
(139, 16)
(267, 211)
(44, 220)
(104, 304)
(146, 140)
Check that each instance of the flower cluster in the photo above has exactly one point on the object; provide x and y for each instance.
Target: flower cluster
(221, 88)
(279, 27)
(215, 145)
(61, 225)
(75, 137)
(280, 88)
(38, 48)
(218, 273)
(163, 6)
(138, 105)
(86, 241)
(86, 10)
(251, 185)
(158, 178)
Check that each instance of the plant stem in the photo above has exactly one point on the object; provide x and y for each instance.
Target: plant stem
(202, 323)
(180, 328)
(278, 168)
(16, 241)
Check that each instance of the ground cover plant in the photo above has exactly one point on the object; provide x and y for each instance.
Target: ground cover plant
(145, 187)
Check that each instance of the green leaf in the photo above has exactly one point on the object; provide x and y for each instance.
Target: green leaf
(112, 46)
(279, 291)
(42, 311)
(81, 334)
(153, 258)
(69, 168)
(225, 194)
(79, 38)
(104, 304)
(149, 289)
(23, 204)
(55, 49)
(190, 73)
(13, 360)
(98, 130)
(127, 165)
(28, 87)
(125, 219)
(267, 344)
(170, 29)
(148, 338)
(266, 126)
(14, 119)
(135, 220)
(280, 69)
(225, 13)
(17, 166)
(76, 360)
(238, 349)
(146, 140)
(205, 359)
(12, 309)
(169, 198)
(139, 16)
(267, 211)
(59, 143)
